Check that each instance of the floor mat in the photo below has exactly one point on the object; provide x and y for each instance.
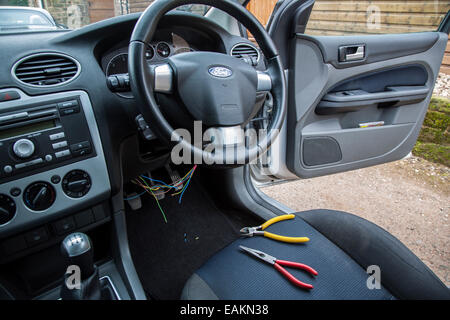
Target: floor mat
(166, 254)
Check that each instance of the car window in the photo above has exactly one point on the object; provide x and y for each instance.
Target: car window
(75, 14)
(372, 17)
(20, 17)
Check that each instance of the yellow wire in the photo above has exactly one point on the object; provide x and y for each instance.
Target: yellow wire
(148, 188)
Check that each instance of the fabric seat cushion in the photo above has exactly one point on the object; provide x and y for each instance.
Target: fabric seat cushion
(341, 248)
(232, 274)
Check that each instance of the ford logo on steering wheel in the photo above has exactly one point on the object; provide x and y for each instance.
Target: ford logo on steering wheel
(220, 72)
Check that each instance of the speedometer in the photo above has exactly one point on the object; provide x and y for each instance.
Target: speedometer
(118, 64)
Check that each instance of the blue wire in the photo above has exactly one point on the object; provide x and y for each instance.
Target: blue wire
(187, 185)
(159, 181)
(134, 197)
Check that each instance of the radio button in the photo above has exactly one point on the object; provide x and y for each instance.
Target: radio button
(23, 148)
(68, 107)
(29, 163)
(82, 152)
(59, 145)
(68, 104)
(7, 169)
(57, 136)
(63, 153)
(48, 158)
(81, 148)
(80, 145)
(69, 111)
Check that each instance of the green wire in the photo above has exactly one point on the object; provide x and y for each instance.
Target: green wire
(157, 202)
(187, 177)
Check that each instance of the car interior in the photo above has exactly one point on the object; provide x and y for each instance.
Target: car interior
(89, 123)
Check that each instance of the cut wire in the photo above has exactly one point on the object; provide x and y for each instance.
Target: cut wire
(157, 201)
(141, 182)
(135, 196)
(159, 206)
(187, 184)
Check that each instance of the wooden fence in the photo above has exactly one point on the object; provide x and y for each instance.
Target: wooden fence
(100, 10)
(337, 17)
(345, 17)
(445, 68)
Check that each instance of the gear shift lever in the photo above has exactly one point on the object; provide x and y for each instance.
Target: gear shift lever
(77, 248)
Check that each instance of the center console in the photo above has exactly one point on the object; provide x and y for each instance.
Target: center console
(54, 181)
(53, 174)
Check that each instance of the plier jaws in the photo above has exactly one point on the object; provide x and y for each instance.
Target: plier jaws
(259, 254)
(259, 230)
(251, 231)
(277, 264)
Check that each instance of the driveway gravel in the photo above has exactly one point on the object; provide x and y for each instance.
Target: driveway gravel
(442, 85)
(409, 198)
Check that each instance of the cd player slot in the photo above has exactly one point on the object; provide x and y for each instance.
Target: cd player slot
(42, 113)
(32, 118)
(21, 118)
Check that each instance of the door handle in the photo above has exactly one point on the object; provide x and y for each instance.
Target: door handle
(352, 53)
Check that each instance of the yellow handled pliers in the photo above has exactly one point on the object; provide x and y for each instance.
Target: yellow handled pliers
(251, 231)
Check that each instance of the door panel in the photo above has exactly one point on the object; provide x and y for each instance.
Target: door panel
(333, 103)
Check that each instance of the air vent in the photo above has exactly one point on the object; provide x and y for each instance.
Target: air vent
(245, 50)
(46, 69)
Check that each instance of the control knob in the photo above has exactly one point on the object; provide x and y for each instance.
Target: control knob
(23, 148)
(76, 183)
(7, 209)
(39, 196)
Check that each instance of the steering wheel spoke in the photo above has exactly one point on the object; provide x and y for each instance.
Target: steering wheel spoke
(264, 82)
(162, 78)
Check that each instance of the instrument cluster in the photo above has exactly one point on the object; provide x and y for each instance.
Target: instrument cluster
(116, 62)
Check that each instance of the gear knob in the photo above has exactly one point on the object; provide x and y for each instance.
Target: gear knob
(77, 248)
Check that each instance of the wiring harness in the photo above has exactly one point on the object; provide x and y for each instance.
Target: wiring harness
(160, 187)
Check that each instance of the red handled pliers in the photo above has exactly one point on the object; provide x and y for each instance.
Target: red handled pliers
(278, 265)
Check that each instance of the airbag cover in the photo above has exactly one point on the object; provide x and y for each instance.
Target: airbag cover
(217, 89)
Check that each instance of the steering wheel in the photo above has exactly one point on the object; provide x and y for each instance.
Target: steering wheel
(217, 89)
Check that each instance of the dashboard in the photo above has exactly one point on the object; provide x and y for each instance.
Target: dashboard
(67, 139)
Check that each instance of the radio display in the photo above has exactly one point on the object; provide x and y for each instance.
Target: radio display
(13, 132)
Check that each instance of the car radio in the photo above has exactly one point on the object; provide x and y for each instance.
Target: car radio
(43, 135)
(51, 159)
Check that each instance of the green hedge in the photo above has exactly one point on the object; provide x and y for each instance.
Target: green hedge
(433, 143)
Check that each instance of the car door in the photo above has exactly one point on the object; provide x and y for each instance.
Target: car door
(355, 100)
